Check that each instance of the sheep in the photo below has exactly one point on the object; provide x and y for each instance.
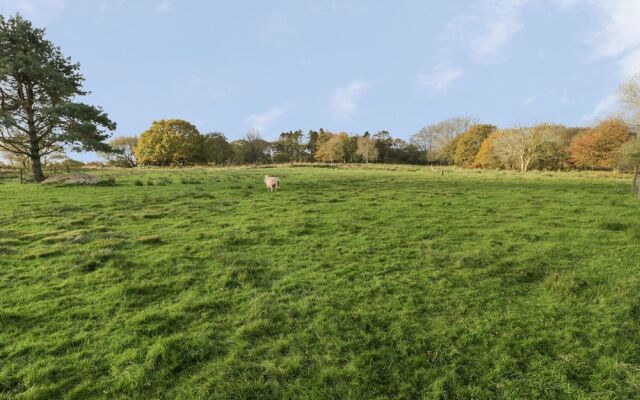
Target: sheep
(272, 183)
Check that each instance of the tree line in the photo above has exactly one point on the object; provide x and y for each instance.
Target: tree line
(457, 141)
(41, 118)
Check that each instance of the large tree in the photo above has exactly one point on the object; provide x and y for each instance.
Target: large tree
(38, 90)
(468, 144)
(436, 141)
(600, 147)
(170, 142)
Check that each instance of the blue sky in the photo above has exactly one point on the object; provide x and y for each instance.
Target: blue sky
(349, 65)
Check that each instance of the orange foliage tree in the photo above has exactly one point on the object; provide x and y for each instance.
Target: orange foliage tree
(486, 157)
(599, 147)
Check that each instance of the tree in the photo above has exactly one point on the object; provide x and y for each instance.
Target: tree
(402, 152)
(216, 149)
(630, 98)
(367, 149)
(335, 147)
(437, 141)
(252, 149)
(290, 147)
(630, 160)
(526, 144)
(468, 144)
(169, 142)
(312, 139)
(487, 156)
(38, 88)
(324, 146)
(600, 147)
(630, 154)
(425, 141)
(384, 141)
(122, 151)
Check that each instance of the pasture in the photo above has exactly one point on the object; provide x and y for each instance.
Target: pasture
(349, 283)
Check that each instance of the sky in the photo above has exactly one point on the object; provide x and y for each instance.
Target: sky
(344, 65)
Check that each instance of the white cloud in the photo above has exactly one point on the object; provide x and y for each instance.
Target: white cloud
(502, 20)
(630, 63)
(33, 9)
(605, 106)
(619, 36)
(440, 78)
(344, 101)
(263, 121)
(530, 100)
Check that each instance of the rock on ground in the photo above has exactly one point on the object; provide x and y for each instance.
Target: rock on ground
(73, 178)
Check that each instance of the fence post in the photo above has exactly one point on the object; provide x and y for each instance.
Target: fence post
(21, 179)
(636, 187)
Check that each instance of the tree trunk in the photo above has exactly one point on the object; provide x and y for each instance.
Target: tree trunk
(36, 169)
(36, 164)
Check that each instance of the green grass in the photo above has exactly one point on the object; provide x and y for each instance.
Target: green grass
(350, 283)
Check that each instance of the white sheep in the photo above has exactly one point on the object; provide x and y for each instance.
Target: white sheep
(272, 183)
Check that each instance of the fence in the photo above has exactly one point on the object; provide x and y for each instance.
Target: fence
(23, 175)
(636, 182)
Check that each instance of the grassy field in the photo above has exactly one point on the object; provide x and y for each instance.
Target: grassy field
(350, 283)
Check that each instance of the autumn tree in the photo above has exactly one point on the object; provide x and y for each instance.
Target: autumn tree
(367, 149)
(487, 156)
(39, 87)
(169, 142)
(600, 147)
(122, 152)
(324, 146)
(468, 144)
(340, 147)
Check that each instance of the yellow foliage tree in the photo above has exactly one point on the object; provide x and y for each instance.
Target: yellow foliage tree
(169, 142)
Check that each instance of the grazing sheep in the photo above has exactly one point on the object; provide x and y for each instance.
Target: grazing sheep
(272, 183)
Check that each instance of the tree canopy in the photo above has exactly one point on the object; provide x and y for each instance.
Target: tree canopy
(468, 144)
(39, 114)
(600, 147)
(169, 142)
